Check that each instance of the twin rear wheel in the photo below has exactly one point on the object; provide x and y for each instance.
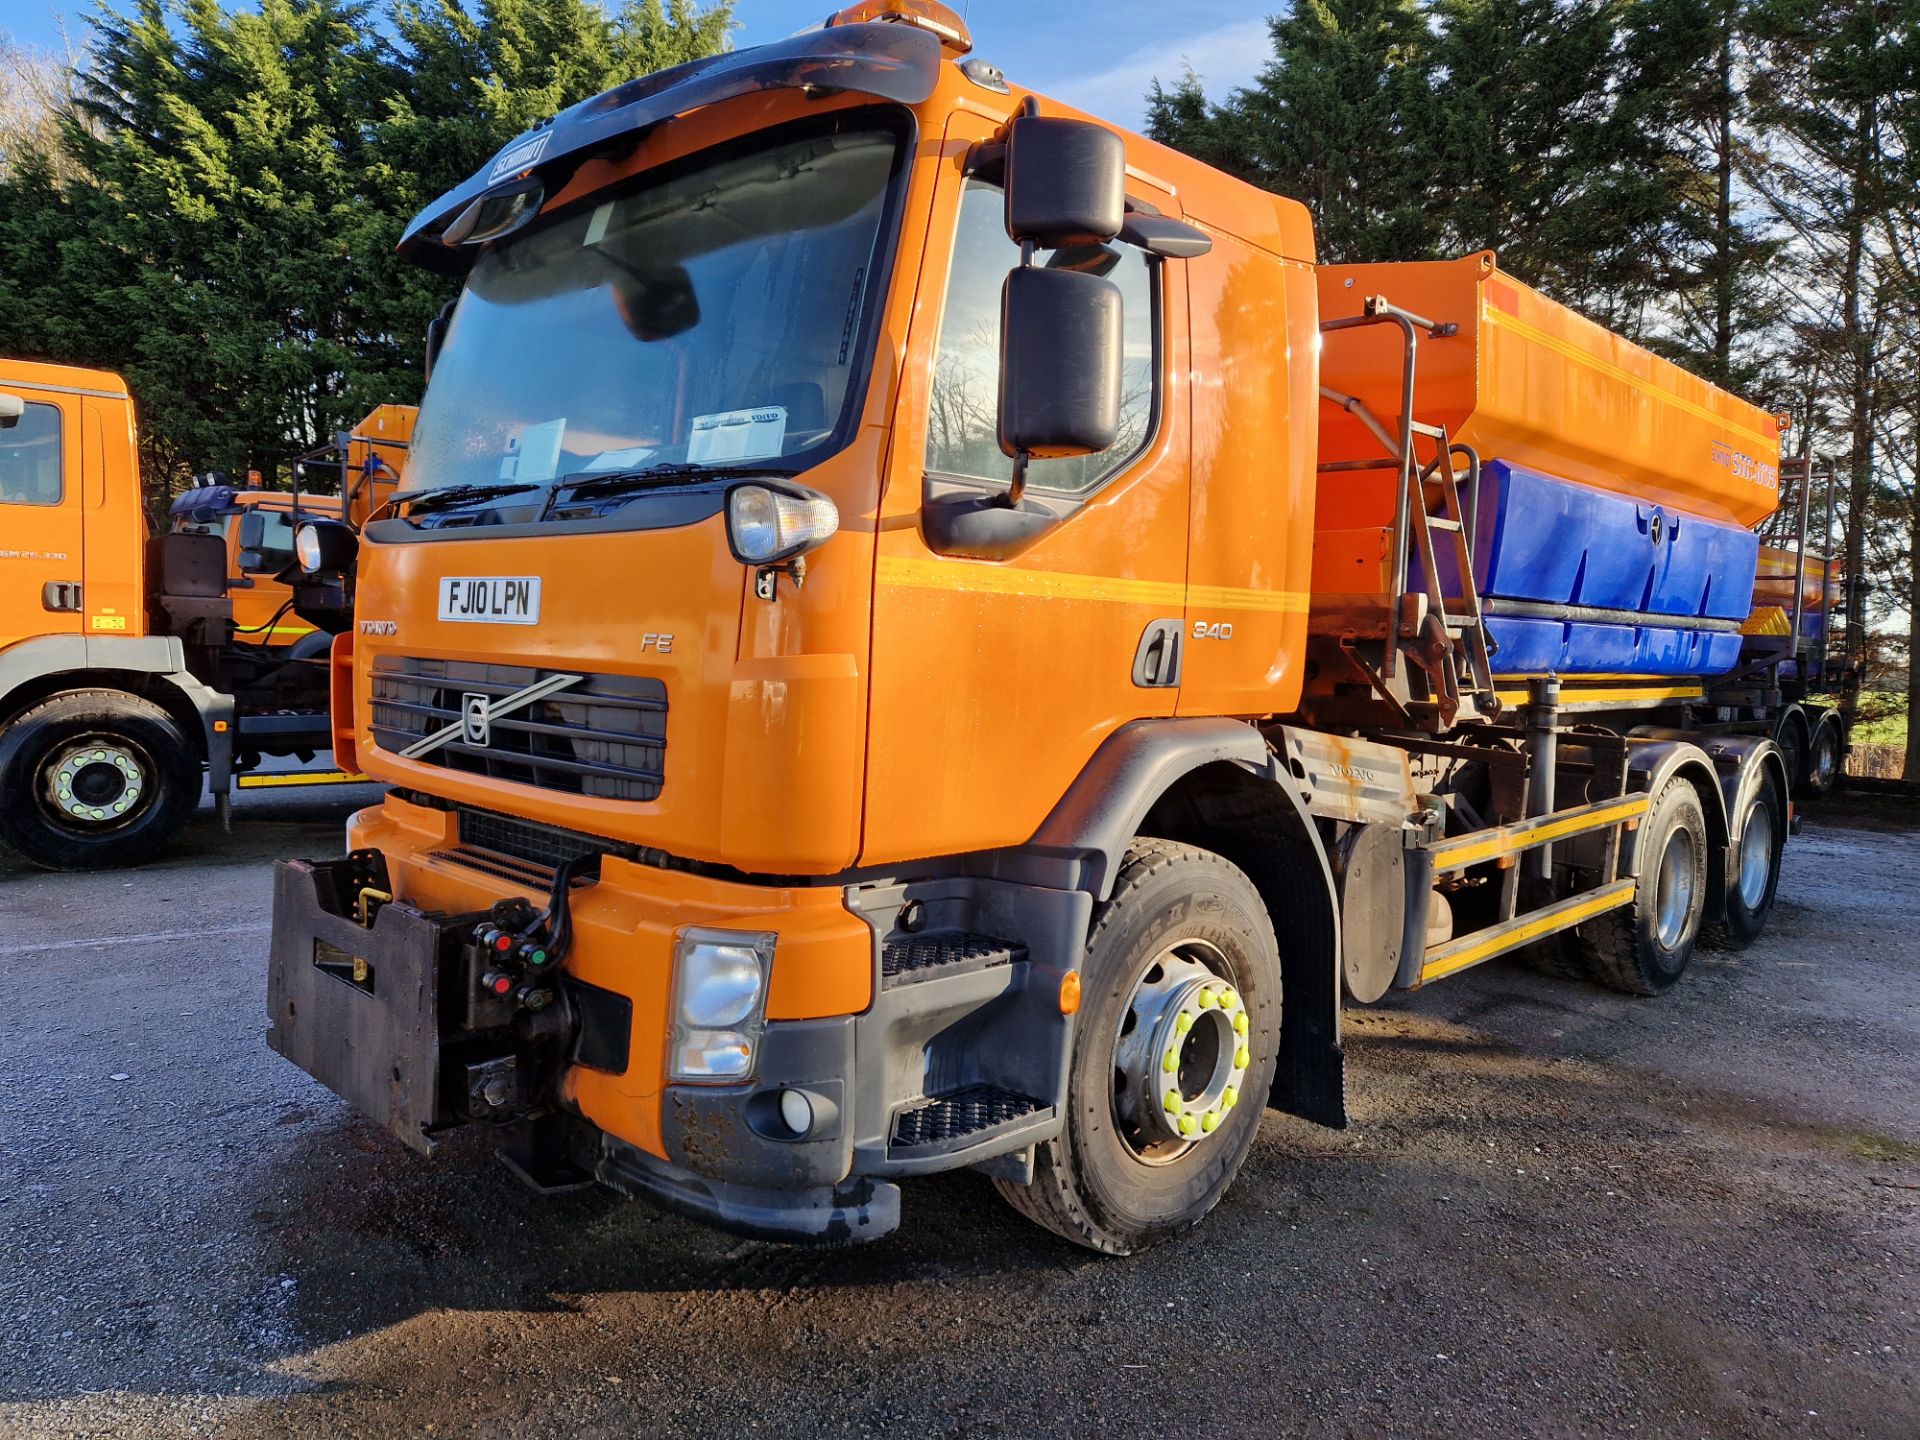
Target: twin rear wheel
(1177, 1038)
(1644, 947)
(94, 778)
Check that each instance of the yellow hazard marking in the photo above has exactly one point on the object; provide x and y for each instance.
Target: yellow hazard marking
(1447, 959)
(1768, 620)
(991, 579)
(304, 777)
(1471, 854)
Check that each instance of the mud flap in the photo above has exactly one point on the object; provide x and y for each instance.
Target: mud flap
(358, 1008)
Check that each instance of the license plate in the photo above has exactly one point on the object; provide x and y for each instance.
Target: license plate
(496, 599)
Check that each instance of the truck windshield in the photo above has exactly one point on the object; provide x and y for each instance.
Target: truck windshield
(711, 316)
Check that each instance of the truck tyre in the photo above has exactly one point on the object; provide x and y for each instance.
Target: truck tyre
(1643, 947)
(1823, 762)
(1753, 871)
(94, 778)
(1174, 1052)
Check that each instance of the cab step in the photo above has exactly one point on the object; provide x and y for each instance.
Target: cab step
(910, 959)
(963, 1120)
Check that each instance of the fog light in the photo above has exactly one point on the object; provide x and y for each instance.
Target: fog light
(766, 524)
(796, 1111)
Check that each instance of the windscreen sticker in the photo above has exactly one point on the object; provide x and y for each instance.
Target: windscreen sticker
(630, 459)
(597, 226)
(752, 434)
(540, 450)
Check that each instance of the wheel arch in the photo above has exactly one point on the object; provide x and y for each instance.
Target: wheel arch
(153, 668)
(1217, 784)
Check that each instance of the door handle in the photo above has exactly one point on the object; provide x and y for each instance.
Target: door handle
(61, 595)
(1156, 663)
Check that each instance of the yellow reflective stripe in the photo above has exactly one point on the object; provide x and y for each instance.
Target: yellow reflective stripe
(1502, 319)
(1476, 851)
(1447, 960)
(1572, 695)
(985, 578)
(1287, 602)
(305, 777)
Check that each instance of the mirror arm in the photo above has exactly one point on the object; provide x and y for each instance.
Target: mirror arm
(1017, 486)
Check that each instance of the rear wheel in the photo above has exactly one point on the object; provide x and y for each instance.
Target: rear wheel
(1173, 1054)
(1823, 762)
(1754, 872)
(1642, 948)
(94, 778)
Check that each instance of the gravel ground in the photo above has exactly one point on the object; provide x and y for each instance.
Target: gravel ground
(1559, 1212)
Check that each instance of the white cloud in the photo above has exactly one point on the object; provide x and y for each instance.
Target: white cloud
(1225, 58)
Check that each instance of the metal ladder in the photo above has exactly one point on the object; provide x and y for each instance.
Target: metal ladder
(1444, 635)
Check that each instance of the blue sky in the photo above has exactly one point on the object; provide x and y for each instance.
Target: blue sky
(1100, 59)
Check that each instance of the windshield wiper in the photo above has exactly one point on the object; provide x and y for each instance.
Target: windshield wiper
(649, 476)
(425, 500)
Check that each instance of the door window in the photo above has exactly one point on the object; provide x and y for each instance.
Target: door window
(30, 458)
(962, 420)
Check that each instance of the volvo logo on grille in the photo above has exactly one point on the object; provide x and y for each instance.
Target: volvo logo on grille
(475, 718)
(477, 714)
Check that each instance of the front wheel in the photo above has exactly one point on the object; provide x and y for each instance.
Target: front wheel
(94, 778)
(1173, 1054)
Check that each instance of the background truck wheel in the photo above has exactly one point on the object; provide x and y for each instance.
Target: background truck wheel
(1644, 947)
(1173, 1054)
(1823, 762)
(94, 778)
(1753, 872)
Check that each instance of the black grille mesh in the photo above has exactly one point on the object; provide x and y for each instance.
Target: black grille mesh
(604, 736)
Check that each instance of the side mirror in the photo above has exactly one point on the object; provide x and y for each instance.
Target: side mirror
(1066, 182)
(436, 337)
(436, 340)
(256, 556)
(1060, 356)
(12, 407)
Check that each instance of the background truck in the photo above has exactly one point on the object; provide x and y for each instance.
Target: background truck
(123, 676)
(922, 630)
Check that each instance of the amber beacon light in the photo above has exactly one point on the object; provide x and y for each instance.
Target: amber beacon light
(926, 15)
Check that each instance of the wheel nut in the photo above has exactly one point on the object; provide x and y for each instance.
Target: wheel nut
(1208, 999)
(1230, 1097)
(1187, 1127)
(1171, 1061)
(1210, 1121)
(1171, 1101)
(1242, 1058)
(1240, 1023)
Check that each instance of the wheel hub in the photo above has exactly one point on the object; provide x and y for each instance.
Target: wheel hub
(1756, 855)
(1182, 1053)
(95, 783)
(1674, 899)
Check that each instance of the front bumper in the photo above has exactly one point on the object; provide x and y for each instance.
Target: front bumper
(383, 1000)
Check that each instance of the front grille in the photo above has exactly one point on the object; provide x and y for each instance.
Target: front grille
(605, 736)
(547, 846)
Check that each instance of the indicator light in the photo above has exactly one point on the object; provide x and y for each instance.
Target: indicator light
(496, 982)
(533, 954)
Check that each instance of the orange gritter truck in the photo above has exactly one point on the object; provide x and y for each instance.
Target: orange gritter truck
(920, 630)
(132, 663)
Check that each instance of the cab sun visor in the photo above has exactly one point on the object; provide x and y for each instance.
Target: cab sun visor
(890, 62)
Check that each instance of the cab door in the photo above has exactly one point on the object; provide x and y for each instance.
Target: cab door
(40, 519)
(994, 681)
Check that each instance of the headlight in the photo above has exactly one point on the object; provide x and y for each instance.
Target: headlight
(719, 1003)
(306, 547)
(325, 546)
(765, 525)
